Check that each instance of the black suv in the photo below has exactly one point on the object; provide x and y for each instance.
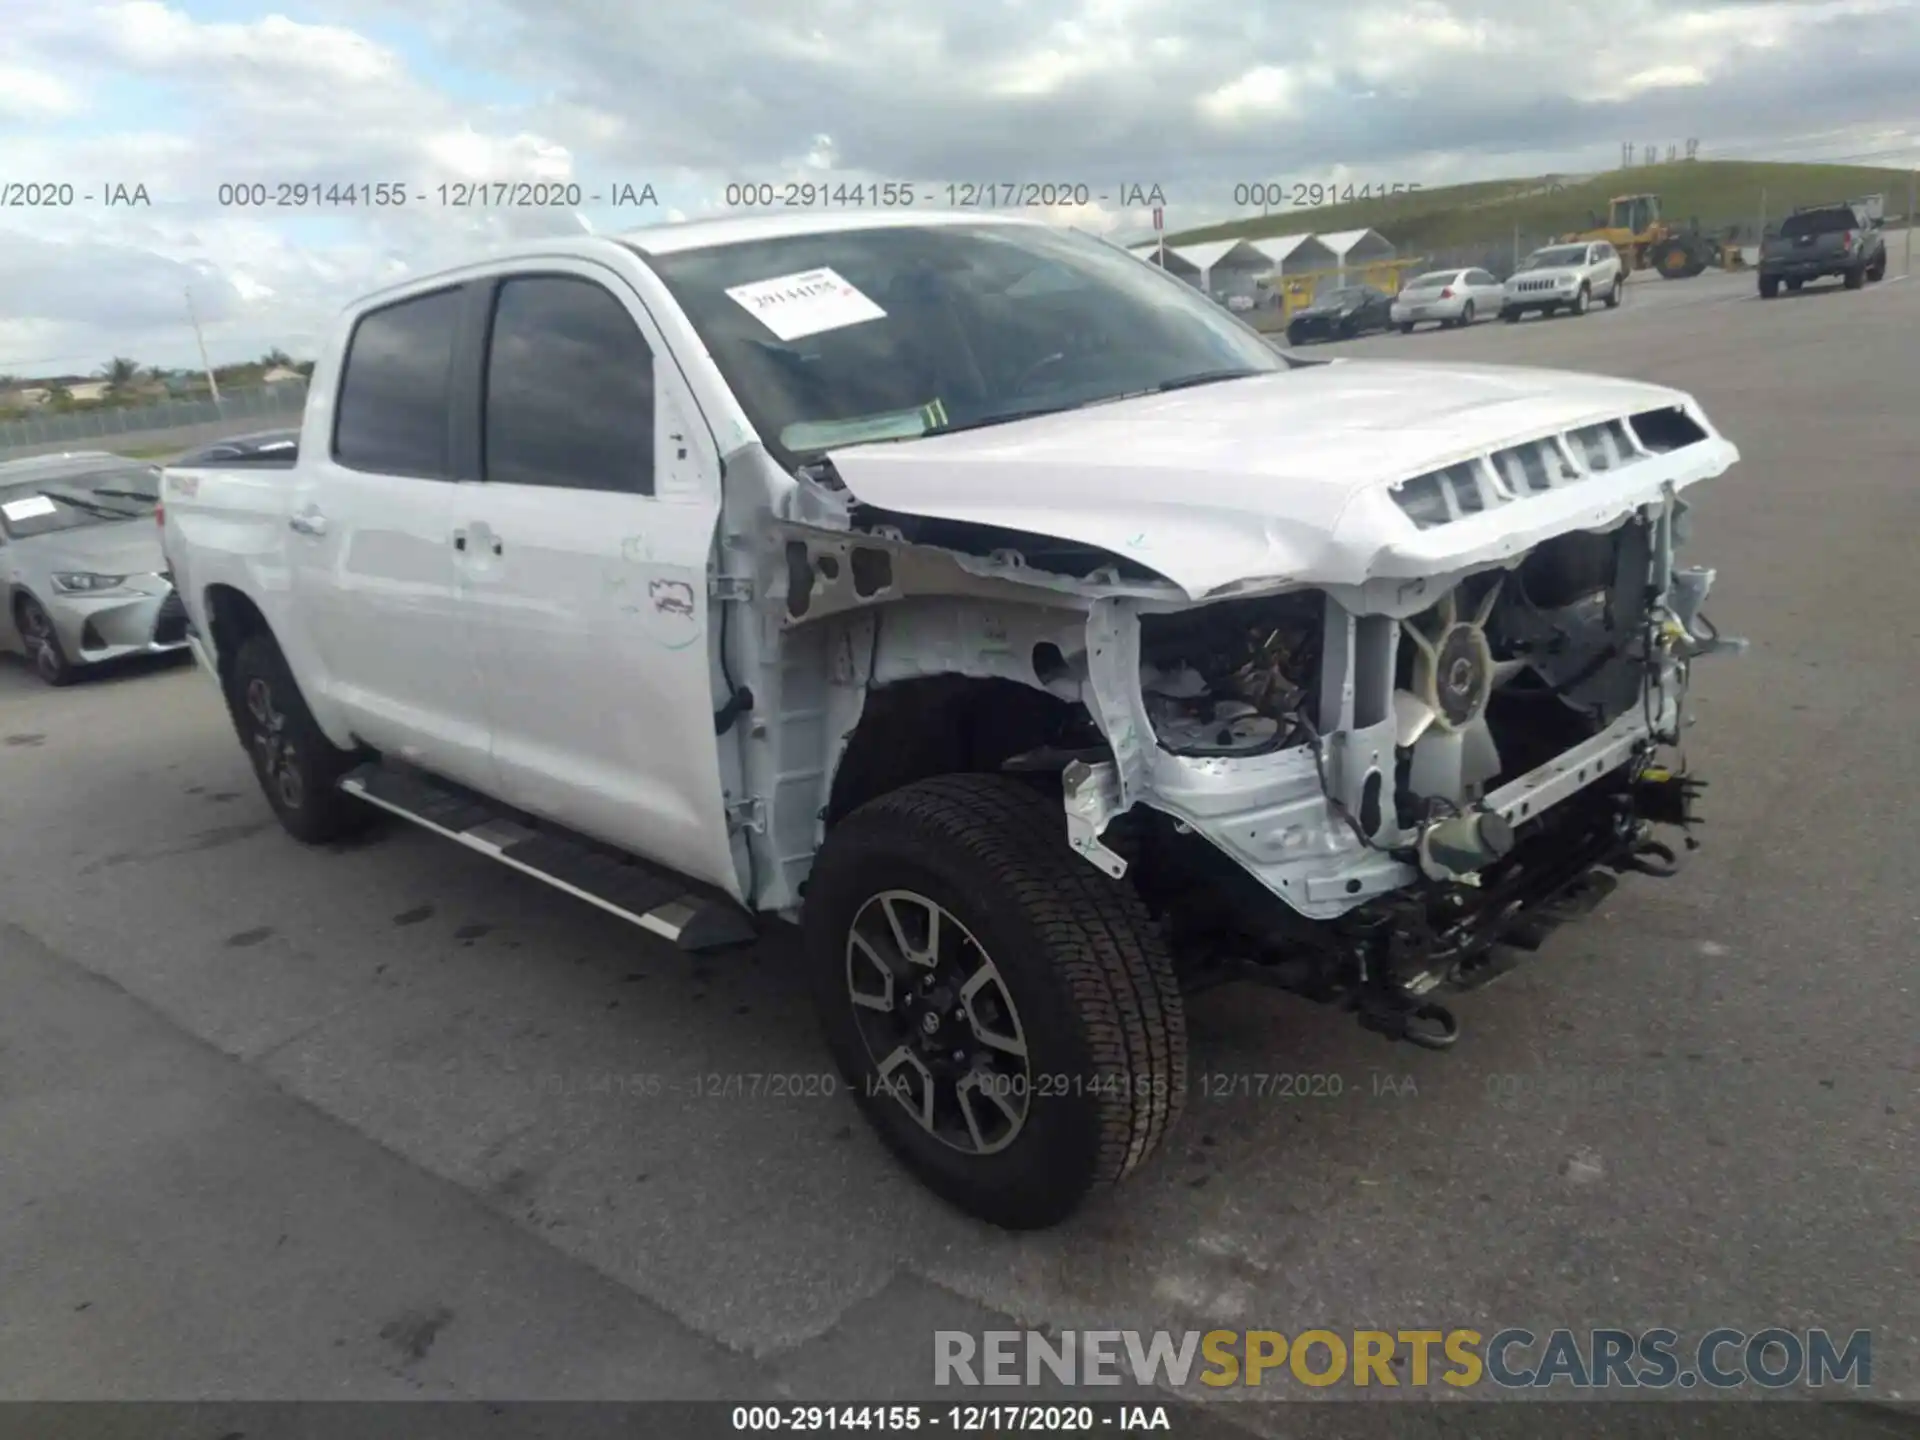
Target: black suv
(1819, 241)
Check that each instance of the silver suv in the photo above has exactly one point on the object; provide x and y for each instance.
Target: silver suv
(1565, 277)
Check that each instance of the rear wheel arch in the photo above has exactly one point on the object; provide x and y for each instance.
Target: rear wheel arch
(233, 619)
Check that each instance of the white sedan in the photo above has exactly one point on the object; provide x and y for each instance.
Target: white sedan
(1447, 298)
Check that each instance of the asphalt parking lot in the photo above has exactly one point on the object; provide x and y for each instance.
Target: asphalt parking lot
(389, 1121)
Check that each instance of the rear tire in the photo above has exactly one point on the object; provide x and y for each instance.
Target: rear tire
(1793, 286)
(1855, 277)
(1769, 286)
(42, 642)
(1079, 974)
(297, 766)
(1466, 316)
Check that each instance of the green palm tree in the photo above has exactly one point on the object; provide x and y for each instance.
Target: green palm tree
(120, 373)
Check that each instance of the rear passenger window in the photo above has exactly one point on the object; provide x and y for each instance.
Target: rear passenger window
(569, 389)
(395, 388)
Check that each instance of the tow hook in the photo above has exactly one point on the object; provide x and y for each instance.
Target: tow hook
(1426, 1023)
(1650, 857)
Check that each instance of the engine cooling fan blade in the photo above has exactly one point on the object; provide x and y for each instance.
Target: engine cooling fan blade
(1443, 719)
(1453, 764)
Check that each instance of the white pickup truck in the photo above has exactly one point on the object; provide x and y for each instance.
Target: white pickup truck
(1036, 634)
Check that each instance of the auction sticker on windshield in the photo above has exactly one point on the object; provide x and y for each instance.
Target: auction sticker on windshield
(806, 303)
(31, 508)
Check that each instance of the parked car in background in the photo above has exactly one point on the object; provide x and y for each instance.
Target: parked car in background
(1447, 298)
(1565, 277)
(1819, 241)
(1341, 314)
(81, 563)
(268, 447)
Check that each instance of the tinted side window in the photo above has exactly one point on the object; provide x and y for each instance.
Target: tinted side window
(1480, 277)
(396, 388)
(569, 389)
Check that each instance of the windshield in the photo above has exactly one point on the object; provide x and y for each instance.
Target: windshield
(68, 499)
(1345, 295)
(856, 336)
(1556, 256)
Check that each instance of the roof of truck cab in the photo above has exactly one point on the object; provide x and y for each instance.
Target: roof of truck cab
(684, 235)
(734, 230)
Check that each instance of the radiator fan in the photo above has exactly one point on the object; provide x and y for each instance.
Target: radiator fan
(1443, 716)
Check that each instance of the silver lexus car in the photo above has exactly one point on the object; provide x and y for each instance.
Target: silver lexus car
(80, 561)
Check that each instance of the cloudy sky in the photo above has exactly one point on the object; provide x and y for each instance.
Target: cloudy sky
(183, 99)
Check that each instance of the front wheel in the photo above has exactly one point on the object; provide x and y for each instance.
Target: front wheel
(1406, 327)
(1617, 292)
(1879, 270)
(1466, 315)
(1512, 317)
(42, 642)
(297, 766)
(1582, 301)
(1007, 1015)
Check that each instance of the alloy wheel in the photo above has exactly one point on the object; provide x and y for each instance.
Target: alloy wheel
(43, 646)
(273, 748)
(938, 1022)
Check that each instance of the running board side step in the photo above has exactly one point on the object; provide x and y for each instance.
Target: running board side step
(643, 894)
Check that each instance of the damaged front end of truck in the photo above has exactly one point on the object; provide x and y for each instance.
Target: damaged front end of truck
(1375, 775)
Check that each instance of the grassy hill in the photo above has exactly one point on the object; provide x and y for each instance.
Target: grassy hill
(1717, 192)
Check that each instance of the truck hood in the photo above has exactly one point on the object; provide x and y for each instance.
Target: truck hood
(1288, 477)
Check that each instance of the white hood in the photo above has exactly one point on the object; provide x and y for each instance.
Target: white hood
(1284, 476)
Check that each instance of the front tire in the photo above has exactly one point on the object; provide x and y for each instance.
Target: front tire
(1511, 316)
(1466, 316)
(297, 766)
(1617, 293)
(1007, 1016)
(42, 642)
(1583, 301)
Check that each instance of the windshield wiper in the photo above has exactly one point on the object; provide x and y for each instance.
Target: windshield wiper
(1183, 382)
(105, 512)
(1007, 417)
(127, 494)
(1205, 377)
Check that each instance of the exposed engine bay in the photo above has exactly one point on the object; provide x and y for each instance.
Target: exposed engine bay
(1485, 766)
(1473, 672)
(1235, 678)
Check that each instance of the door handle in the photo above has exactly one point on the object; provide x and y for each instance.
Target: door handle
(486, 537)
(311, 523)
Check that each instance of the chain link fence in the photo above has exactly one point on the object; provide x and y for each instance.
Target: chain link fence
(256, 407)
